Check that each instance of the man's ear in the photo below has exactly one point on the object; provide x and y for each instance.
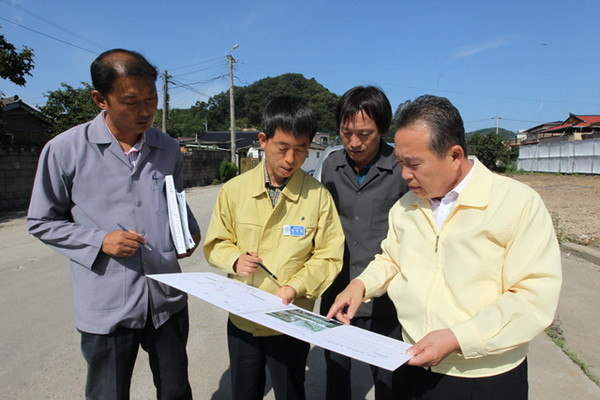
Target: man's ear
(262, 139)
(456, 153)
(99, 100)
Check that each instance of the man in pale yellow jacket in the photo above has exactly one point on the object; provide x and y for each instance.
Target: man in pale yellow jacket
(471, 262)
(278, 216)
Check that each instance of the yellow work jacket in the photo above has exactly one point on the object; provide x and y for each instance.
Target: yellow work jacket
(244, 220)
(492, 274)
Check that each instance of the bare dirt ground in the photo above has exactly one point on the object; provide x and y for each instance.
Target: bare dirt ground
(573, 201)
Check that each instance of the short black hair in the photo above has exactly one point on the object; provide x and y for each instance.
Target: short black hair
(444, 121)
(370, 100)
(289, 114)
(108, 66)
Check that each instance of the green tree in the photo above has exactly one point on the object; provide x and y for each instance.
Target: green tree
(181, 122)
(15, 65)
(491, 150)
(69, 106)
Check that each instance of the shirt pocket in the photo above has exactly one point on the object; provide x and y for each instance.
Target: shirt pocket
(248, 232)
(103, 286)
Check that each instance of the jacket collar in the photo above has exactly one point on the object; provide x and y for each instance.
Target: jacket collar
(478, 190)
(100, 134)
(476, 193)
(384, 162)
(291, 190)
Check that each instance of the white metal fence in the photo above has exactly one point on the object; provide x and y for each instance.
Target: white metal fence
(581, 156)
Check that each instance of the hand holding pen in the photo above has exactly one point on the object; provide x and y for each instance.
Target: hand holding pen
(146, 245)
(247, 264)
(122, 243)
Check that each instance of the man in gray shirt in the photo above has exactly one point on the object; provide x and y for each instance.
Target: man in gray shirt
(365, 181)
(90, 179)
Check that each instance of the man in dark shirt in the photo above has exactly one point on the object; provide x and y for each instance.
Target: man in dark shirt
(365, 181)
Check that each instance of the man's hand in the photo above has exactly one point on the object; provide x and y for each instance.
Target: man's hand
(247, 264)
(351, 297)
(197, 236)
(287, 294)
(122, 244)
(433, 348)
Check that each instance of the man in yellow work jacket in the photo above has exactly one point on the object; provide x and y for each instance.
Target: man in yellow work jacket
(278, 216)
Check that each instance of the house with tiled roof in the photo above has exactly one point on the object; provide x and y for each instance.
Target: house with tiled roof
(22, 124)
(576, 127)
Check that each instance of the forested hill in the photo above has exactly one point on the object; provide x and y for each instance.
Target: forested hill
(504, 133)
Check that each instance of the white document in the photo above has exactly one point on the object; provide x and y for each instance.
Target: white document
(266, 309)
(187, 236)
(178, 221)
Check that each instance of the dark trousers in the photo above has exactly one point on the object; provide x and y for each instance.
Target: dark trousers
(422, 384)
(338, 367)
(111, 359)
(284, 355)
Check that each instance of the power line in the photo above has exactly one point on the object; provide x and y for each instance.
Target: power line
(205, 81)
(198, 63)
(200, 70)
(174, 82)
(26, 11)
(51, 37)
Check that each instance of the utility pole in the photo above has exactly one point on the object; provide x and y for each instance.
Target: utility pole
(497, 119)
(231, 104)
(165, 113)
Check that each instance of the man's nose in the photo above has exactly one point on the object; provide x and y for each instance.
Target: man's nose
(290, 156)
(145, 109)
(355, 141)
(407, 174)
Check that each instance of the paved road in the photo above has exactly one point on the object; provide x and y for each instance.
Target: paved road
(39, 346)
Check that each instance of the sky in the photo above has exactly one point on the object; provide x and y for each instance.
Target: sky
(518, 63)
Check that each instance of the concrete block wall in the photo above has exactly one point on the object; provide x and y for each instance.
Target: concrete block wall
(17, 171)
(201, 167)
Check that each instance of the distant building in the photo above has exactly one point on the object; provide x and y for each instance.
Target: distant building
(314, 155)
(244, 140)
(322, 138)
(572, 146)
(23, 125)
(247, 145)
(576, 127)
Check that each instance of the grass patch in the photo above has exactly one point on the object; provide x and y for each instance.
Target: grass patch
(555, 333)
(561, 234)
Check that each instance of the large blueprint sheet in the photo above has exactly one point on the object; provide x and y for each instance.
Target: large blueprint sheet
(268, 310)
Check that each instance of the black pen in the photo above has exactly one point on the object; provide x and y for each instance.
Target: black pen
(272, 275)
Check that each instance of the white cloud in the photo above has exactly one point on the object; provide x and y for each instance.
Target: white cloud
(467, 51)
(249, 20)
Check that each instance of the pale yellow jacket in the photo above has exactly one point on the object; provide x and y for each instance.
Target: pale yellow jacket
(492, 274)
(245, 220)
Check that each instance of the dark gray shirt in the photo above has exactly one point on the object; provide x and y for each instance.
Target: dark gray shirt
(363, 210)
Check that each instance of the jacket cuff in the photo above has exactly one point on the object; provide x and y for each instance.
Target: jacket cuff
(470, 340)
(297, 285)
(371, 286)
(230, 261)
